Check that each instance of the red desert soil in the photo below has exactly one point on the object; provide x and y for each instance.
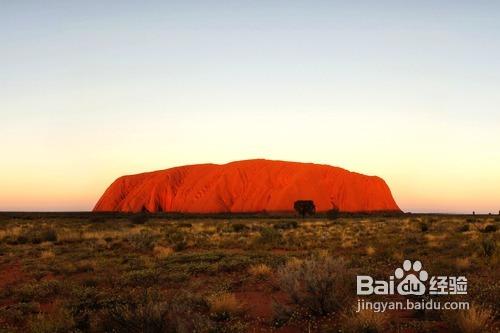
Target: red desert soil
(247, 186)
(10, 275)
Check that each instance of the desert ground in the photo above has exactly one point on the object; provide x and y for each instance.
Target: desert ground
(161, 273)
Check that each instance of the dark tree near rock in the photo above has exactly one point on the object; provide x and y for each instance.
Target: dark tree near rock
(304, 207)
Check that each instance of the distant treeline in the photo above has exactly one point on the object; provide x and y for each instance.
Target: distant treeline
(164, 215)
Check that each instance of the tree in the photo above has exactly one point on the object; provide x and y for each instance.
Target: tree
(304, 207)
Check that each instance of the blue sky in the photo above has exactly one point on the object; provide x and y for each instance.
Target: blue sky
(93, 90)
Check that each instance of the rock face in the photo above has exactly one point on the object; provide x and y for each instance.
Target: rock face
(247, 186)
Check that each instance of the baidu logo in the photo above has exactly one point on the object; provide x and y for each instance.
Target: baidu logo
(414, 278)
(410, 279)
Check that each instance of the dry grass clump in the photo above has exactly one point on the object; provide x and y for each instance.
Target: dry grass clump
(370, 250)
(162, 251)
(47, 254)
(294, 263)
(260, 271)
(463, 264)
(476, 319)
(13, 232)
(365, 321)
(224, 306)
(319, 284)
(66, 235)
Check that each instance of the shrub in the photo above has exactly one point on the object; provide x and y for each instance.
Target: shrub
(139, 218)
(39, 290)
(286, 225)
(489, 246)
(224, 306)
(49, 235)
(320, 284)
(178, 240)
(145, 277)
(474, 320)
(17, 313)
(490, 228)
(463, 264)
(37, 236)
(464, 228)
(365, 321)
(269, 236)
(47, 254)
(239, 227)
(21, 239)
(148, 313)
(260, 271)
(187, 314)
(185, 225)
(59, 322)
(162, 251)
(370, 250)
(233, 263)
(424, 227)
(142, 241)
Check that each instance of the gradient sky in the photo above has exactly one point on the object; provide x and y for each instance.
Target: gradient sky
(409, 91)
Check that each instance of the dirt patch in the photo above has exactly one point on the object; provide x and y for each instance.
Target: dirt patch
(11, 274)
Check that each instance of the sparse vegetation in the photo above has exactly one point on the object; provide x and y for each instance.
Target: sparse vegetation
(489, 246)
(477, 319)
(464, 228)
(365, 321)
(260, 271)
(490, 228)
(320, 284)
(224, 306)
(227, 274)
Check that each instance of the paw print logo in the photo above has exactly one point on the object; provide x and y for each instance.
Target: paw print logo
(411, 284)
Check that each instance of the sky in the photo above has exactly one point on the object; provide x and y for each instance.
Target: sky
(92, 90)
